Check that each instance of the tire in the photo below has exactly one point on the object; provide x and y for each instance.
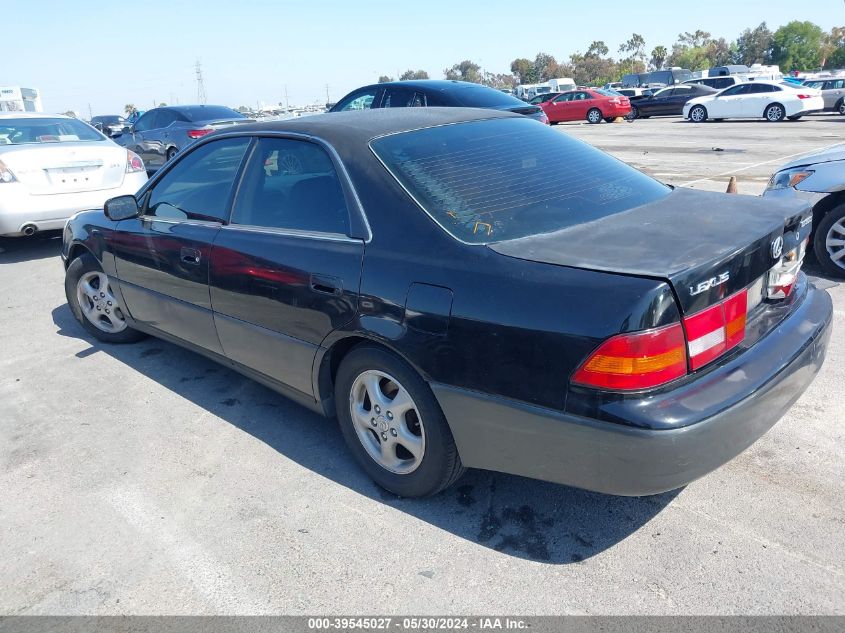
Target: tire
(594, 115)
(794, 118)
(609, 119)
(698, 114)
(840, 107)
(396, 468)
(85, 276)
(633, 114)
(831, 227)
(171, 152)
(774, 113)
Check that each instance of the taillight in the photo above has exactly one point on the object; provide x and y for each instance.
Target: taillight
(716, 329)
(636, 361)
(782, 276)
(133, 162)
(5, 174)
(200, 132)
(802, 96)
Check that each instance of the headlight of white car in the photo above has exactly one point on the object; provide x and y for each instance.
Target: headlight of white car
(5, 174)
(789, 178)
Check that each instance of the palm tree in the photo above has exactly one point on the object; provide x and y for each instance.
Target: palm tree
(129, 109)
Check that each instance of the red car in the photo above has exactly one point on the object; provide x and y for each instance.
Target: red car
(592, 104)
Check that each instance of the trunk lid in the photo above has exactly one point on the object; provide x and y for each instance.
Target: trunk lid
(706, 245)
(66, 167)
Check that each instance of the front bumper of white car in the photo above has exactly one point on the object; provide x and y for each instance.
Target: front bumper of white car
(22, 213)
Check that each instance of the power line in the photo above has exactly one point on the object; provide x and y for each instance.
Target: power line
(200, 84)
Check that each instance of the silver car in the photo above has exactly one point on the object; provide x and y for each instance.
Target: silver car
(833, 92)
(819, 179)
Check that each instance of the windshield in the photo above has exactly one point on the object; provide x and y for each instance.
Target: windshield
(207, 113)
(483, 97)
(45, 130)
(607, 92)
(111, 120)
(502, 179)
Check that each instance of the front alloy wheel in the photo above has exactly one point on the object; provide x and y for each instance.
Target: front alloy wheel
(698, 114)
(829, 241)
(98, 303)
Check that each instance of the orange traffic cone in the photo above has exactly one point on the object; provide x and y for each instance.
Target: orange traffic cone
(731, 185)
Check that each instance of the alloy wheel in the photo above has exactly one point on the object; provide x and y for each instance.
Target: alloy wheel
(387, 422)
(774, 113)
(98, 303)
(835, 243)
(697, 114)
(594, 116)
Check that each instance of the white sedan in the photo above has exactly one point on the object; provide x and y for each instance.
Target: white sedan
(52, 166)
(770, 100)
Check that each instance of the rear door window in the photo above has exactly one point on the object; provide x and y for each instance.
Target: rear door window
(362, 100)
(398, 97)
(291, 184)
(501, 179)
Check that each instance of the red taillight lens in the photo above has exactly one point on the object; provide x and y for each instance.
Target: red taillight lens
(714, 331)
(199, 132)
(133, 162)
(636, 361)
(805, 96)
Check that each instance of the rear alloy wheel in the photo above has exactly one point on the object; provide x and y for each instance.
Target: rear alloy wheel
(698, 114)
(775, 113)
(840, 107)
(94, 304)
(829, 241)
(393, 424)
(633, 114)
(594, 116)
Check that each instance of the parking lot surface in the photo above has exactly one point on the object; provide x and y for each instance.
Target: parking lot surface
(145, 479)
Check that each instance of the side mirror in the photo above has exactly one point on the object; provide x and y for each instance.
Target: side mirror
(121, 208)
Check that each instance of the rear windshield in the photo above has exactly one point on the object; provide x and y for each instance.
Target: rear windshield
(111, 120)
(483, 97)
(207, 113)
(45, 130)
(502, 179)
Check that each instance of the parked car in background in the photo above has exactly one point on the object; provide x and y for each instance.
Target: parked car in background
(52, 166)
(833, 92)
(818, 179)
(435, 92)
(663, 330)
(543, 98)
(634, 92)
(667, 101)
(656, 78)
(719, 83)
(160, 133)
(109, 124)
(592, 105)
(773, 101)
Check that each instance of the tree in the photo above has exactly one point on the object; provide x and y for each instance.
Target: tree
(162, 105)
(413, 74)
(384, 79)
(658, 56)
(465, 71)
(635, 47)
(524, 69)
(70, 113)
(593, 67)
(796, 46)
(694, 40)
(129, 109)
(836, 58)
(754, 46)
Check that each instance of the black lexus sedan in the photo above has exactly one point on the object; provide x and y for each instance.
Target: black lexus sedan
(467, 288)
(667, 101)
(422, 93)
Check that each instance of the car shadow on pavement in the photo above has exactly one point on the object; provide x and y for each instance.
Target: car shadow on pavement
(14, 250)
(520, 517)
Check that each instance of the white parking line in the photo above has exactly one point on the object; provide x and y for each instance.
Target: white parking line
(765, 162)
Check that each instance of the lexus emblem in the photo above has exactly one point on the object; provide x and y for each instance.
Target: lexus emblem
(777, 247)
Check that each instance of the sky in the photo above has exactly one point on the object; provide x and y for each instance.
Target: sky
(108, 54)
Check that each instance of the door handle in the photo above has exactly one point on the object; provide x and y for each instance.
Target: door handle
(326, 284)
(190, 256)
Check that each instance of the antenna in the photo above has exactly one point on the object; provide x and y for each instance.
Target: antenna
(200, 84)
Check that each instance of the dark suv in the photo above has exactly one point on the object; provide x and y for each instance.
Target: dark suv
(433, 92)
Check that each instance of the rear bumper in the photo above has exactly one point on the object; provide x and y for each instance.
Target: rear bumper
(513, 437)
(19, 208)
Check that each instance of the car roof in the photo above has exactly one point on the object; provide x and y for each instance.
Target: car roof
(32, 115)
(363, 125)
(439, 85)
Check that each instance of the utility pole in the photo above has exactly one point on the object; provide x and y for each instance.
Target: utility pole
(90, 114)
(287, 102)
(328, 98)
(200, 84)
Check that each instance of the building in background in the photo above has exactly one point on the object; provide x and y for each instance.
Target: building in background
(17, 99)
